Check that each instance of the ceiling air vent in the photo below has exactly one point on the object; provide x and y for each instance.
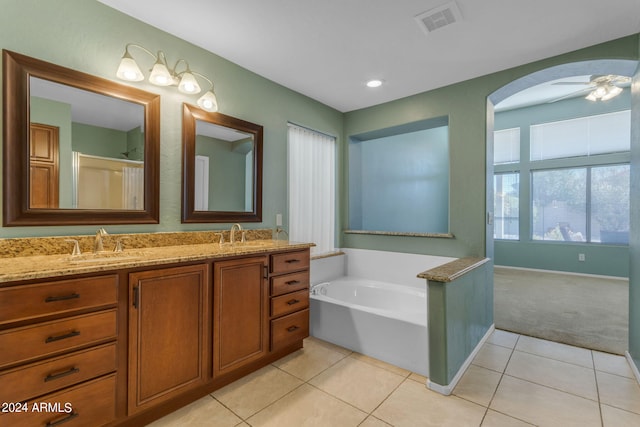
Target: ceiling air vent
(439, 17)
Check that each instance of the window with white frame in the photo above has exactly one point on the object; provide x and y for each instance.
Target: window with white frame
(311, 177)
(577, 175)
(506, 206)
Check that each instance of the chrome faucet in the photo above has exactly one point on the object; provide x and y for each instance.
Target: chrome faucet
(232, 236)
(98, 245)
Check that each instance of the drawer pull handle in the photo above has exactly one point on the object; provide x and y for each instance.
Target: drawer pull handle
(63, 420)
(292, 261)
(52, 377)
(292, 282)
(62, 337)
(62, 297)
(293, 301)
(293, 328)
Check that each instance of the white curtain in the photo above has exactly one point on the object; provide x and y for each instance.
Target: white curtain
(312, 188)
(133, 188)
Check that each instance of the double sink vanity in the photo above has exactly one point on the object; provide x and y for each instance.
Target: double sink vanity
(89, 336)
(124, 338)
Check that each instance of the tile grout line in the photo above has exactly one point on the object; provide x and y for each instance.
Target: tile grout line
(595, 377)
(513, 349)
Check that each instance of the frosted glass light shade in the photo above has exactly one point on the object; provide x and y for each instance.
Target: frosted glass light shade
(129, 70)
(208, 102)
(188, 84)
(160, 75)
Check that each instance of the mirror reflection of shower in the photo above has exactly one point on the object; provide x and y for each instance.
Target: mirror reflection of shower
(107, 183)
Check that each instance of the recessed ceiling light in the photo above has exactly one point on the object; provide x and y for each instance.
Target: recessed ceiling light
(374, 83)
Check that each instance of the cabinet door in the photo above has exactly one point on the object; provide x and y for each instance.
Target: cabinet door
(168, 330)
(240, 313)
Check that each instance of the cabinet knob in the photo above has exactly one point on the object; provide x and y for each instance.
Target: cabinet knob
(293, 328)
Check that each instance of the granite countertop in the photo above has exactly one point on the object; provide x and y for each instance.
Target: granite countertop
(48, 266)
(452, 270)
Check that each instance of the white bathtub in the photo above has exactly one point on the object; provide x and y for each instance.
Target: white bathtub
(382, 319)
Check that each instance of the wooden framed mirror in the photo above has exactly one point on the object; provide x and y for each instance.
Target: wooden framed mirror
(221, 168)
(78, 149)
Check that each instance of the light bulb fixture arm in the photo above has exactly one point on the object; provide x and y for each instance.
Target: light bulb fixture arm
(195, 73)
(144, 49)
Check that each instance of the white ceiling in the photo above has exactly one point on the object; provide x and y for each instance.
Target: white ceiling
(328, 49)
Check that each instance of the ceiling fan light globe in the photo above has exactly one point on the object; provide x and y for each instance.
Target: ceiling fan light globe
(612, 93)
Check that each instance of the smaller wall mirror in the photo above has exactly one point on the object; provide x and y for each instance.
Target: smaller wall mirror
(222, 168)
(78, 149)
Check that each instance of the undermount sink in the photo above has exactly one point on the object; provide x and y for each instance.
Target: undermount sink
(102, 257)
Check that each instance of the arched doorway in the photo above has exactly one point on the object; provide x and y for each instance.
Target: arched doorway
(599, 67)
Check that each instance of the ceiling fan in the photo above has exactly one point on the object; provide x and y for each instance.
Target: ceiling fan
(600, 87)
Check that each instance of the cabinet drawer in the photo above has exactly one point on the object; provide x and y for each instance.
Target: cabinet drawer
(89, 404)
(40, 378)
(42, 299)
(289, 283)
(289, 261)
(285, 304)
(48, 338)
(289, 329)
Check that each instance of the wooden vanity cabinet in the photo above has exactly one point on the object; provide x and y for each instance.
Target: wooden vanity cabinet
(58, 344)
(168, 333)
(128, 346)
(289, 298)
(240, 313)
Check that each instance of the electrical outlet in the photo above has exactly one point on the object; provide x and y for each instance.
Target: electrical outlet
(279, 220)
(581, 257)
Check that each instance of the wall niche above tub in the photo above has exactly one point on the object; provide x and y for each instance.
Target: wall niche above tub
(399, 180)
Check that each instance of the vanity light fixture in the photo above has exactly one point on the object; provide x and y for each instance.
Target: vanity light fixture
(162, 75)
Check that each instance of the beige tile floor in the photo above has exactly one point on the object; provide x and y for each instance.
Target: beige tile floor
(514, 381)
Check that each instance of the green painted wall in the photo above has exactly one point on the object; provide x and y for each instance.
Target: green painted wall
(634, 238)
(98, 141)
(460, 314)
(226, 173)
(88, 36)
(465, 105)
(608, 260)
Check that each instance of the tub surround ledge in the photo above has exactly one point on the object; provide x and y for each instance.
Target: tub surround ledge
(453, 270)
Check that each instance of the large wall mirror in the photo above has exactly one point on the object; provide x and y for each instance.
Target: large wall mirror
(222, 168)
(78, 149)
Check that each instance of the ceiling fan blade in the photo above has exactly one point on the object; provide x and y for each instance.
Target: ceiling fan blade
(570, 95)
(571, 83)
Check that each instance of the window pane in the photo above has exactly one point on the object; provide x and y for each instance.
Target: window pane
(559, 205)
(506, 201)
(585, 136)
(610, 204)
(506, 146)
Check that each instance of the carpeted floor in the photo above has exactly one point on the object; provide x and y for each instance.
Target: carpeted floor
(584, 311)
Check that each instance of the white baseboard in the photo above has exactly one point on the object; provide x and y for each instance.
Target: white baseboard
(633, 366)
(448, 389)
